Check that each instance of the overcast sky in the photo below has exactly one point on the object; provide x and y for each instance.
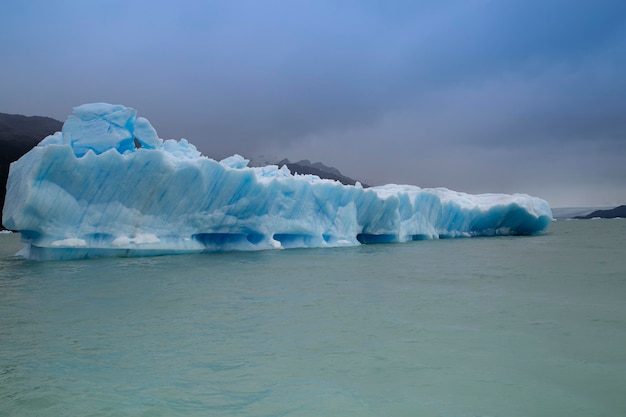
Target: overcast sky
(474, 95)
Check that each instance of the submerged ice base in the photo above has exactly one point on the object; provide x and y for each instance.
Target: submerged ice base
(90, 191)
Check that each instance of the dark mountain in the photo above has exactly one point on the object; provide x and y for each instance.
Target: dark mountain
(320, 166)
(606, 214)
(18, 135)
(306, 167)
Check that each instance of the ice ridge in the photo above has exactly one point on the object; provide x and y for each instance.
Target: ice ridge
(108, 186)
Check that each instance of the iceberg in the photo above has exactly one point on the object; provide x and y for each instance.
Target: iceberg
(107, 185)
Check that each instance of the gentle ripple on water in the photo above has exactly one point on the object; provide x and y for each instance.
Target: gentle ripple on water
(471, 327)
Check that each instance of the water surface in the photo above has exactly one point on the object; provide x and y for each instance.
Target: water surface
(510, 326)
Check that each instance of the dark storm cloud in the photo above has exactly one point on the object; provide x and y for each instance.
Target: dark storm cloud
(434, 93)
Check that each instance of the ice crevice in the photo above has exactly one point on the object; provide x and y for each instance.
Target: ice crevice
(107, 185)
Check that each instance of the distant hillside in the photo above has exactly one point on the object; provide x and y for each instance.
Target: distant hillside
(606, 214)
(306, 167)
(18, 135)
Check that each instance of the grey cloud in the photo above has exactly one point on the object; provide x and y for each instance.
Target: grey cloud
(434, 93)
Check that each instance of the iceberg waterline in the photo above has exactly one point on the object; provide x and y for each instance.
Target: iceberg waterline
(90, 191)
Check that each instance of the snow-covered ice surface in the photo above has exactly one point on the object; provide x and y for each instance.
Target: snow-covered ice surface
(88, 191)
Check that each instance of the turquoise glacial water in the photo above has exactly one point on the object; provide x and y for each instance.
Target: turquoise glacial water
(505, 326)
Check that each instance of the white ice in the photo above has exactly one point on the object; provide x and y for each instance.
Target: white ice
(88, 191)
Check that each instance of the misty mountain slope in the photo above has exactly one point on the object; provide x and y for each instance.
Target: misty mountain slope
(617, 212)
(18, 135)
(306, 167)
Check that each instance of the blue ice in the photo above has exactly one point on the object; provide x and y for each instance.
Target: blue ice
(89, 191)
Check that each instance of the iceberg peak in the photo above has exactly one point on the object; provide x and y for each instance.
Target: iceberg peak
(98, 127)
(235, 161)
